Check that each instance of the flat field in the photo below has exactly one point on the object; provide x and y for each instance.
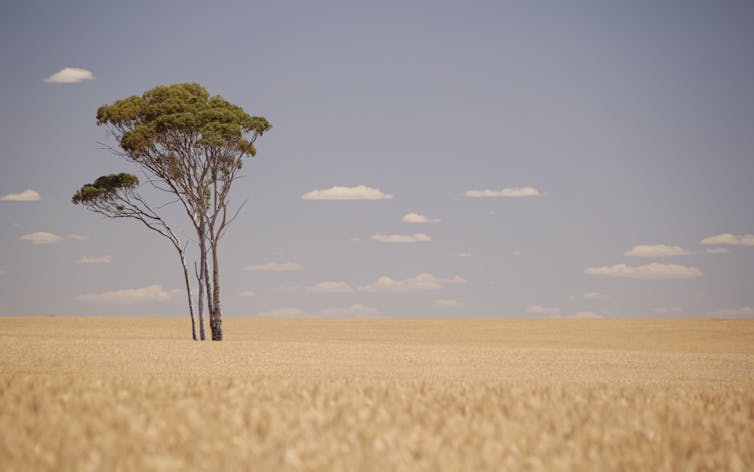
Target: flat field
(377, 394)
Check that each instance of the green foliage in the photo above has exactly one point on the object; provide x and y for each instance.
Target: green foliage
(105, 187)
(153, 121)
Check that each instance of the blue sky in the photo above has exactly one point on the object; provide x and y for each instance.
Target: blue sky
(542, 141)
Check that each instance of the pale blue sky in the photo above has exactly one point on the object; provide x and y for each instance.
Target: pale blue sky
(633, 120)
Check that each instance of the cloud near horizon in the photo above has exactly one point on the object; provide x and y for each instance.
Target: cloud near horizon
(95, 260)
(329, 286)
(512, 192)
(654, 270)
(656, 250)
(27, 195)
(730, 239)
(734, 312)
(274, 267)
(150, 293)
(70, 75)
(402, 238)
(542, 310)
(359, 192)
(448, 303)
(41, 237)
(423, 281)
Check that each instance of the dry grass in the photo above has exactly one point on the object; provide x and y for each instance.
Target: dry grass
(133, 394)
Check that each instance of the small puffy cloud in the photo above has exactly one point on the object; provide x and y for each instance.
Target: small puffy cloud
(359, 192)
(448, 303)
(734, 312)
(654, 270)
(730, 239)
(151, 293)
(329, 287)
(27, 195)
(70, 75)
(248, 293)
(423, 281)
(718, 250)
(402, 238)
(418, 218)
(542, 310)
(656, 250)
(78, 237)
(595, 296)
(513, 192)
(414, 218)
(283, 313)
(462, 254)
(517, 253)
(587, 314)
(274, 267)
(95, 260)
(667, 310)
(356, 310)
(41, 237)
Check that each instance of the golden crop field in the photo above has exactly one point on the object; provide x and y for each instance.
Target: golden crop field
(377, 394)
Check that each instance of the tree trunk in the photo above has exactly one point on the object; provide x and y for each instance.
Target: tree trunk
(215, 316)
(188, 294)
(200, 278)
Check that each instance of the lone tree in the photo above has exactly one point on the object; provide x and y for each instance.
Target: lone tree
(191, 145)
(115, 196)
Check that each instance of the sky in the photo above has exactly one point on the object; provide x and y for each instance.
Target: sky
(534, 159)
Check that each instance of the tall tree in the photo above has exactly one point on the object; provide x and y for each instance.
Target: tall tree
(192, 145)
(116, 196)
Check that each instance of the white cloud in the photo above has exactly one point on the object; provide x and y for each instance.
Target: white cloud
(95, 260)
(27, 195)
(514, 192)
(274, 267)
(731, 239)
(414, 218)
(329, 287)
(733, 312)
(423, 281)
(462, 254)
(248, 293)
(587, 314)
(656, 250)
(356, 310)
(649, 271)
(718, 250)
(448, 303)
(151, 293)
(283, 313)
(542, 310)
(666, 310)
(41, 237)
(595, 296)
(70, 75)
(78, 237)
(359, 192)
(517, 253)
(402, 238)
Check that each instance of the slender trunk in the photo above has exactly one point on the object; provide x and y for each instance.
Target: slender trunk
(188, 294)
(207, 286)
(201, 276)
(215, 320)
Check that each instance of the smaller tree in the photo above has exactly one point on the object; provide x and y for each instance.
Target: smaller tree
(116, 196)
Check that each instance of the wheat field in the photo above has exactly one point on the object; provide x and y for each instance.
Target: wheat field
(377, 394)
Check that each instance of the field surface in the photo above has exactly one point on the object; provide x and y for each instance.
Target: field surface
(377, 394)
